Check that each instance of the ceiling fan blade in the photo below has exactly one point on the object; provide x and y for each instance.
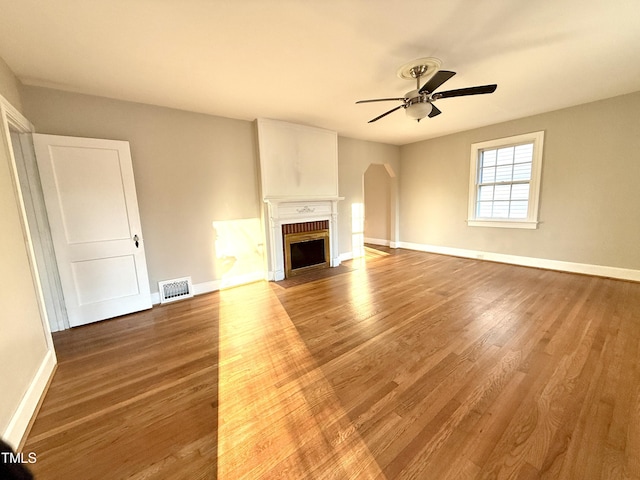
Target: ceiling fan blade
(385, 114)
(380, 100)
(461, 92)
(438, 79)
(435, 111)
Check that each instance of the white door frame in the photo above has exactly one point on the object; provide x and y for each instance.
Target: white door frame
(37, 218)
(12, 119)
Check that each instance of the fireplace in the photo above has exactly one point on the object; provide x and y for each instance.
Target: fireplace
(286, 217)
(299, 185)
(306, 247)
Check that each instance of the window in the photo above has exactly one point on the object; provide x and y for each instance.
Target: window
(505, 182)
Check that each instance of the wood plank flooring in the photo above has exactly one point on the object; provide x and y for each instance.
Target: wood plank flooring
(410, 366)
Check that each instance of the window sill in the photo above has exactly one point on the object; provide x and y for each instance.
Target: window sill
(503, 224)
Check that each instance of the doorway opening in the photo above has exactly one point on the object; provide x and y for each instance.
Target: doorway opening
(379, 205)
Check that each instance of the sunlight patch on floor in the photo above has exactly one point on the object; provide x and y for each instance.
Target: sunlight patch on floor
(278, 416)
(361, 299)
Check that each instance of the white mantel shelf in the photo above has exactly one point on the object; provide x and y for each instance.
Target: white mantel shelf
(301, 199)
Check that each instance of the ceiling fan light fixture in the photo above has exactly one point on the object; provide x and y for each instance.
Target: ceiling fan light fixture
(418, 110)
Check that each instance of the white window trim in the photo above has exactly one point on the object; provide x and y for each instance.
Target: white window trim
(531, 221)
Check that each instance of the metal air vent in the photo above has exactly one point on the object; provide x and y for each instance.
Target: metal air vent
(176, 289)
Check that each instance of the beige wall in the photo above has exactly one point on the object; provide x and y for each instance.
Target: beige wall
(22, 337)
(589, 197)
(354, 157)
(191, 171)
(377, 203)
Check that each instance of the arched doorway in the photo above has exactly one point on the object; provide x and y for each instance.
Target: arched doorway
(380, 202)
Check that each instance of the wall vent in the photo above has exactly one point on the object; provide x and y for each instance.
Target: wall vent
(176, 289)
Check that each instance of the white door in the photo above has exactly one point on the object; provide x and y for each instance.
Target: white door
(91, 202)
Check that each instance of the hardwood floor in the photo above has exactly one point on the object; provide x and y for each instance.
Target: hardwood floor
(411, 365)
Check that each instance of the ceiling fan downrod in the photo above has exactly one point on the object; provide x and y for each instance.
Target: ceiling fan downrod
(419, 106)
(417, 72)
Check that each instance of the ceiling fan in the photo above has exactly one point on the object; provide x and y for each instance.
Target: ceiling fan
(418, 103)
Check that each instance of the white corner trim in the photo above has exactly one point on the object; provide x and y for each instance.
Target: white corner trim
(559, 265)
(19, 424)
(15, 116)
(215, 285)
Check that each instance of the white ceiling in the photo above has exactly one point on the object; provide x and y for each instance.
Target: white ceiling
(308, 61)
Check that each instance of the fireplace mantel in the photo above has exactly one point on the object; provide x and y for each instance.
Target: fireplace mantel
(281, 211)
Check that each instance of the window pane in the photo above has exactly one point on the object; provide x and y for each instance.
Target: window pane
(505, 155)
(488, 158)
(502, 192)
(500, 209)
(486, 193)
(504, 173)
(522, 171)
(518, 209)
(520, 191)
(488, 175)
(523, 153)
(484, 209)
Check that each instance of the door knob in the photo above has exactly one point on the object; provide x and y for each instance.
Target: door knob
(135, 240)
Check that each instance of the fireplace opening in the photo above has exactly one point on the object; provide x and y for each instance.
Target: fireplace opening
(307, 253)
(305, 249)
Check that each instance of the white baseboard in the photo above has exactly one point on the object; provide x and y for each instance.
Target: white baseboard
(377, 241)
(572, 267)
(19, 424)
(215, 285)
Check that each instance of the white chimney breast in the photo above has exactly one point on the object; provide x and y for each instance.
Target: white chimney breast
(297, 161)
(299, 182)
